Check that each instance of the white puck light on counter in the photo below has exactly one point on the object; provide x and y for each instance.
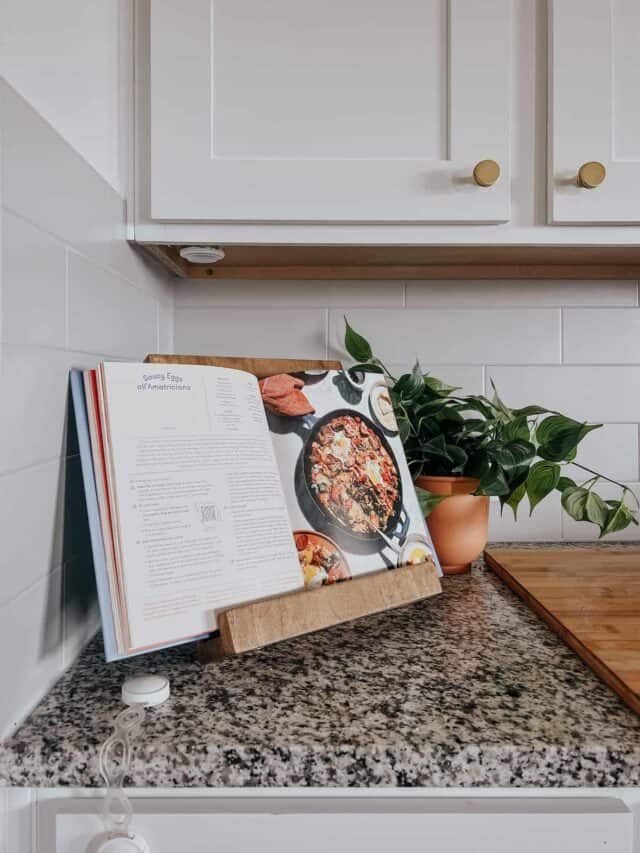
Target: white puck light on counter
(148, 690)
(202, 254)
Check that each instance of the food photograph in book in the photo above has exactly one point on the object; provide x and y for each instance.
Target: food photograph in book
(351, 500)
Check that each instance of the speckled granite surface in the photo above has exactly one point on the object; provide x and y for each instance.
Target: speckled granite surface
(466, 689)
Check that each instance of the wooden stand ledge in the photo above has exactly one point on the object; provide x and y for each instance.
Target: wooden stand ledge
(261, 623)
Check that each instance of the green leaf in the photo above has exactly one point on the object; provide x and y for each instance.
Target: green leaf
(438, 386)
(479, 464)
(494, 482)
(511, 455)
(574, 502)
(404, 428)
(497, 403)
(542, 480)
(596, 510)
(558, 436)
(458, 457)
(565, 483)
(366, 367)
(409, 387)
(528, 411)
(517, 428)
(521, 451)
(619, 517)
(357, 346)
(513, 500)
(428, 501)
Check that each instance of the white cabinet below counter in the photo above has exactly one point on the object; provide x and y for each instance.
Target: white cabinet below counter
(344, 822)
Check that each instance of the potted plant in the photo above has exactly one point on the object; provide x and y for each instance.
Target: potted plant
(463, 449)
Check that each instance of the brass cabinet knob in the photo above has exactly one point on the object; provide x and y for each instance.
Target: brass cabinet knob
(591, 175)
(486, 173)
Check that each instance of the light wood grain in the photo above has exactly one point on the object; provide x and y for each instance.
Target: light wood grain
(260, 623)
(260, 367)
(591, 599)
(483, 262)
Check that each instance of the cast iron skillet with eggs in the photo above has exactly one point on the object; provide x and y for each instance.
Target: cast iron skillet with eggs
(397, 522)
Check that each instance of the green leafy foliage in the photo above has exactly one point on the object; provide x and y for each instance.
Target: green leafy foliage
(357, 347)
(428, 500)
(542, 479)
(512, 452)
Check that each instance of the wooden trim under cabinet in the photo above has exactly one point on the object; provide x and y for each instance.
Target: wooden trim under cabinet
(409, 262)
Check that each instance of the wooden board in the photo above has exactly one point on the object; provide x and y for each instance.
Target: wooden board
(260, 367)
(591, 599)
(260, 623)
(474, 263)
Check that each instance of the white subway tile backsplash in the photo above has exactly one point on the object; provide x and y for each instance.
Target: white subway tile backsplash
(165, 325)
(520, 294)
(613, 450)
(69, 278)
(33, 272)
(33, 388)
(543, 525)
(604, 336)
(31, 648)
(49, 184)
(193, 293)
(107, 314)
(31, 526)
(443, 336)
(263, 332)
(598, 393)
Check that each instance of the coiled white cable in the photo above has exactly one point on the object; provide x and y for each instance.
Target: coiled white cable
(114, 762)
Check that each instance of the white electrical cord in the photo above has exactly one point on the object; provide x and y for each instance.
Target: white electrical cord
(114, 763)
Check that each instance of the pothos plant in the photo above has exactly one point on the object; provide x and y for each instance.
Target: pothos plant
(512, 452)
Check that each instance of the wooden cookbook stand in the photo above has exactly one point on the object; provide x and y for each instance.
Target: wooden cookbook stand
(260, 623)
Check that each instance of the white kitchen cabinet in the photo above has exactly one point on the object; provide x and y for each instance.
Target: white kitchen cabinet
(353, 822)
(354, 111)
(594, 79)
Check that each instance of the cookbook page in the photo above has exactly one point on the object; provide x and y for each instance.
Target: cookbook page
(351, 499)
(199, 510)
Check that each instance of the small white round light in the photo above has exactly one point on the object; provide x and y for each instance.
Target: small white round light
(146, 690)
(202, 254)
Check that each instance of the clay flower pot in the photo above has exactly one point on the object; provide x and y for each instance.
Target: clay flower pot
(459, 526)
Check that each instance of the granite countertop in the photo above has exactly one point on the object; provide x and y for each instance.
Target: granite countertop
(466, 689)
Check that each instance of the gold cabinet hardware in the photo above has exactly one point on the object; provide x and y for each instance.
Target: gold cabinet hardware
(486, 173)
(591, 175)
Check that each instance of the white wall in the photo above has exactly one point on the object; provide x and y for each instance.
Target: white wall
(574, 346)
(72, 291)
(66, 59)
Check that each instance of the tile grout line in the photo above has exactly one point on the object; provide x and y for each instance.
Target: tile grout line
(89, 258)
(66, 298)
(562, 335)
(326, 333)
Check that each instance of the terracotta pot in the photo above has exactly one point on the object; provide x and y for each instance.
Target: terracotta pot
(458, 526)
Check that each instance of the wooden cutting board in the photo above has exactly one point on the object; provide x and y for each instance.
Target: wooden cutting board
(591, 599)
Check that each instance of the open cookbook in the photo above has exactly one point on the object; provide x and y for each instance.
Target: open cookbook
(207, 488)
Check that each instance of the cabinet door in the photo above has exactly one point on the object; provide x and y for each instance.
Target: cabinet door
(328, 110)
(481, 825)
(595, 102)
